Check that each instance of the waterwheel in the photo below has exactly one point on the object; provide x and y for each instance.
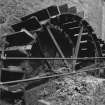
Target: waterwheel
(63, 35)
(57, 35)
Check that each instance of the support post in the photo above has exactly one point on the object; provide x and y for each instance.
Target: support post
(77, 48)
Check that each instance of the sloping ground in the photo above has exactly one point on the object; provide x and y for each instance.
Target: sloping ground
(70, 90)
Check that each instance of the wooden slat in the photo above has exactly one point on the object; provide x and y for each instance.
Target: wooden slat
(41, 15)
(31, 24)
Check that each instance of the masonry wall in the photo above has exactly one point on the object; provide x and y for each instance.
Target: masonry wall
(103, 22)
(12, 10)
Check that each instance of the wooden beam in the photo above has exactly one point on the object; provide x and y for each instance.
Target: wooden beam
(58, 48)
(76, 51)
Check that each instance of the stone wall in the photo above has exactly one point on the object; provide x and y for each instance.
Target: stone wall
(12, 10)
(103, 23)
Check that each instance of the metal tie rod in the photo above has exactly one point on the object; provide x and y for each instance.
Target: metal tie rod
(38, 58)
